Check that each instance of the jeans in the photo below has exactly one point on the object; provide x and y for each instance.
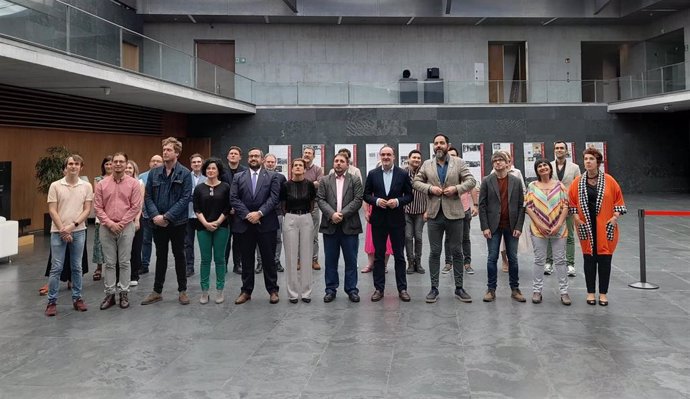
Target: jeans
(558, 244)
(117, 249)
(190, 232)
(297, 236)
(212, 246)
(466, 248)
(453, 228)
(569, 245)
(414, 228)
(58, 248)
(175, 236)
(494, 245)
(332, 244)
(146, 245)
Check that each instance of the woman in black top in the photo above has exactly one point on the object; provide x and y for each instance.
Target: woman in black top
(297, 196)
(212, 206)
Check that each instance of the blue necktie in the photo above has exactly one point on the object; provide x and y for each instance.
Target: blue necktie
(254, 176)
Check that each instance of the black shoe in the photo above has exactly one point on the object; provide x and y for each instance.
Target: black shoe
(190, 273)
(329, 297)
(237, 270)
(410, 268)
(293, 300)
(462, 295)
(420, 269)
(279, 267)
(144, 270)
(432, 296)
(259, 269)
(354, 297)
(306, 300)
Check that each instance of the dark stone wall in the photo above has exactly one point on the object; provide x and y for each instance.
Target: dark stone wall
(646, 152)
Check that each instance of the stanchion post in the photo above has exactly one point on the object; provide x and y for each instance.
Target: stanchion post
(642, 284)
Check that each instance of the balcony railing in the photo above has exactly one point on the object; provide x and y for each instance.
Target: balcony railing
(62, 27)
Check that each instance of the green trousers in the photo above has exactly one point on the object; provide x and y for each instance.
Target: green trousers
(212, 245)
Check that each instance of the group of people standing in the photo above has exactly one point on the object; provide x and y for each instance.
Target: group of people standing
(250, 210)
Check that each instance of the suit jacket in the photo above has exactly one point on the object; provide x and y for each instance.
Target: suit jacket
(457, 175)
(571, 172)
(490, 203)
(264, 200)
(401, 189)
(326, 197)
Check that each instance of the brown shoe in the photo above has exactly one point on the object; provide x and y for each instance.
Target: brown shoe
(183, 298)
(404, 296)
(124, 300)
(51, 310)
(315, 265)
(490, 295)
(274, 298)
(108, 302)
(536, 297)
(79, 305)
(517, 295)
(376, 296)
(152, 298)
(244, 297)
(565, 299)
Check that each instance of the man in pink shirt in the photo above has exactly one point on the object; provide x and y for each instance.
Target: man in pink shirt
(117, 202)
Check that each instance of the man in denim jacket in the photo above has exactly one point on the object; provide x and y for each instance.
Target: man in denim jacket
(168, 192)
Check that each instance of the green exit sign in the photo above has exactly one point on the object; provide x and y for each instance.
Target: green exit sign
(240, 60)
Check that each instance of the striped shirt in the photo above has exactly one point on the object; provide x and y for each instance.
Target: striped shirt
(418, 204)
(547, 206)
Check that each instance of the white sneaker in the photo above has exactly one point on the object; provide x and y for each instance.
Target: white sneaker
(204, 298)
(571, 271)
(219, 297)
(133, 283)
(548, 269)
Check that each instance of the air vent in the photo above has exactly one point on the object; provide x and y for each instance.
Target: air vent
(35, 108)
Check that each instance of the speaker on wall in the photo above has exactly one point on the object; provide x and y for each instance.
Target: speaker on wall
(432, 73)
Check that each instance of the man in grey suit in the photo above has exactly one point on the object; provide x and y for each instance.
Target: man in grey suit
(339, 197)
(501, 214)
(444, 178)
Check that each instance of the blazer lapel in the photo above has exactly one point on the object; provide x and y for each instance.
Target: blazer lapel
(510, 188)
(494, 183)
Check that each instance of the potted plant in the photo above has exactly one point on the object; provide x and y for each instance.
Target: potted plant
(49, 169)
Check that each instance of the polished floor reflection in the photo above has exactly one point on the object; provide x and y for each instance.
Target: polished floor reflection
(638, 346)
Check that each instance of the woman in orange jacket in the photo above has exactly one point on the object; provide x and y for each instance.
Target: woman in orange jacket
(596, 200)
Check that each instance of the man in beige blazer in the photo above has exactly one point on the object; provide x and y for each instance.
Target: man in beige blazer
(565, 172)
(444, 178)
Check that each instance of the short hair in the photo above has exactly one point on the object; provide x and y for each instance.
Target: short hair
(542, 161)
(270, 155)
(108, 158)
(509, 157)
(261, 153)
(444, 137)
(195, 155)
(310, 148)
(134, 166)
(387, 146)
(304, 163)
(595, 153)
(454, 149)
(217, 162)
(499, 155)
(177, 144)
(346, 152)
(75, 158)
(236, 148)
(120, 153)
(342, 155)
(415, 151)
(561, 142)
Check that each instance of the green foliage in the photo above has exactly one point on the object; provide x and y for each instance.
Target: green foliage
(49, 167)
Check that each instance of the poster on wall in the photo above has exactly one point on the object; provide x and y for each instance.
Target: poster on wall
(532, 152)
(431, 150)
(505, 147)
(403, 152)
(473, 155)
(601, 146)
(319, 153)
(283, 155)
(570, 155)
(373, 155)
(351, 147)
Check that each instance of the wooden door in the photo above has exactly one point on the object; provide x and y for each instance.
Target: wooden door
(496, 73)
(215, 67)
(130, 56)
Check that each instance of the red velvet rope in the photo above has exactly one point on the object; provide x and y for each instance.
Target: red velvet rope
(666, 213)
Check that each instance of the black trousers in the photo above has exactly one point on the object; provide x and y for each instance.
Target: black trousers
(267, 248)
(175, 236)
(233, 243)
(379, 235)
(602, 263)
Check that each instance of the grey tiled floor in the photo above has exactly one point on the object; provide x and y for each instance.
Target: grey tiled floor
(639, 346)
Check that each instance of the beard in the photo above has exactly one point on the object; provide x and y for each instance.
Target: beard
(440, 154)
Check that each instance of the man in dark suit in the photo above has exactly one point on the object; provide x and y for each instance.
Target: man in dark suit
(388, 189)
(339, 198)
(234, 157)
(254, 196)
(501, 214)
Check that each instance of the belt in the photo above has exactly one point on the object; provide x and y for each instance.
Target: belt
(299, 212)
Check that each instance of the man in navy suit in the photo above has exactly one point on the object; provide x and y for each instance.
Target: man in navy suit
(388, 189)
(254, 196)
